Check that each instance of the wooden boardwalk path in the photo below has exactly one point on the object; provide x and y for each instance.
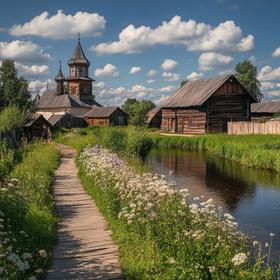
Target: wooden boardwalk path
(85, 249)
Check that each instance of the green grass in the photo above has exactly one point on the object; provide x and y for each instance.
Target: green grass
(260, 151)
(29, 219)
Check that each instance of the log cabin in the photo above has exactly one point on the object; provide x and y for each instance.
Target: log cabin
(153, 117)
(106, 116)
(33, 127)
(206, 106)
(264, 111)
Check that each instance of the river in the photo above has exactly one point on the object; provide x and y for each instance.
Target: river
(251, 195)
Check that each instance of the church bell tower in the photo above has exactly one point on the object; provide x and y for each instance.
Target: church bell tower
(79, 83)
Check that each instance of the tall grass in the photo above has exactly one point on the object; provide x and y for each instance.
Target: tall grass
(28, 220)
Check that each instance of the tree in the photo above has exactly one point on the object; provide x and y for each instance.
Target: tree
(13, 89)
(137, 110)
(246, 73)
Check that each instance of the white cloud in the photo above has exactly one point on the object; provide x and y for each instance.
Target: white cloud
(23, 51)
(269, 85)
(194, 76)
(61, 26)
(211, 60)
(268, 73)
(167, 89)
(171, 77)
(227, 36)
(38, 86)
(108, 70)
(135, 70)
(168, 64)
(152, 73)
(276, 52)
(150, 81)
(32, 70)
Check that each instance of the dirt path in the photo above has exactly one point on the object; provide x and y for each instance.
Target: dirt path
(85, 249)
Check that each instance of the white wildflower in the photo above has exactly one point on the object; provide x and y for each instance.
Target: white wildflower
(239, 259)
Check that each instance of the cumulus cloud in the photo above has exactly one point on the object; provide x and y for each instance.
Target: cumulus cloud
(152, 73)
(37, 86)
(211, 60)
(23, 51)
(171, 77)
(108, 70)
(194, 76)
(33, 70)
(150, 81)
(167, 89)
(195, 36)
(267, 73)
(61, 26)
(135, 70)
(276, 52)
(168, 64)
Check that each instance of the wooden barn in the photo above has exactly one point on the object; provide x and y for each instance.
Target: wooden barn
(106, 116)
(33, 128)
(206, 106)
(264, 111)
(153, 117)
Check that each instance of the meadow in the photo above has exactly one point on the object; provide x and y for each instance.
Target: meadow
(27, 218)
(163, 233)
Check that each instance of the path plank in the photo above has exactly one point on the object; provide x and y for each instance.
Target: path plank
(85, 249)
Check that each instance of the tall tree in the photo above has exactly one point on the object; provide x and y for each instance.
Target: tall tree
(246, 73)
(13, 89)
(137, 110)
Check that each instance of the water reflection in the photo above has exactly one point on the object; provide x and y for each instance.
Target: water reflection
(251, 195)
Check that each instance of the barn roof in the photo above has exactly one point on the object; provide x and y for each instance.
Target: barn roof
(152, 113)
(54, 119)
(265, 107)
(102, 112)
(31, 119)
(195, 93)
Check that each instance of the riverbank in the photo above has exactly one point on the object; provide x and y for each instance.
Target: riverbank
(260, 151)
(159, 248)
(27, 219)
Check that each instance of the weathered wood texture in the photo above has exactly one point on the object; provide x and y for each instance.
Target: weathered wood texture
(229, 103)
(118, 117)
(261, 117)
(85, 249)
(244, 128)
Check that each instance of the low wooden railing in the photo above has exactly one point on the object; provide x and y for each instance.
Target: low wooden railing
(243, 128)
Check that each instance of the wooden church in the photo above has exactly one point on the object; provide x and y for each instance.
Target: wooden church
(72, 95)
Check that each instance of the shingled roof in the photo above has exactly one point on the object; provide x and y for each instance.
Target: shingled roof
(78, 56)
(195, 93)
(265, 107)
(152, 113)
(50, 100)
(102, 112)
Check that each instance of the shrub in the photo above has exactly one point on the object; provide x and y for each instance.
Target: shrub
(11, 117)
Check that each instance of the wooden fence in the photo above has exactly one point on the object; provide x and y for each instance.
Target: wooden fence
(242, 128)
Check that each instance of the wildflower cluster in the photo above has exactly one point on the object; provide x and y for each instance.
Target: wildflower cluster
(192, 236)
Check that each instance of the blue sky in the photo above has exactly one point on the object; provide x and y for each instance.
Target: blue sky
(124, 40)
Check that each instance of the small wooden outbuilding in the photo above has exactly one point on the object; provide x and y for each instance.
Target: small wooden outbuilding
(206, 106)
(153, 117)
(33, 128)
(106, 116)
(264, 111)
(66, 121)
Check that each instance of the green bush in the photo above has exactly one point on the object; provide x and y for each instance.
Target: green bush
(11, 117)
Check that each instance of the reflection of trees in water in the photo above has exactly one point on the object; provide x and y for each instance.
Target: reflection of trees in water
(230, 181)
(222, 176)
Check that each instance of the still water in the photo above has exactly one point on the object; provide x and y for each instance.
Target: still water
(251, 195)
